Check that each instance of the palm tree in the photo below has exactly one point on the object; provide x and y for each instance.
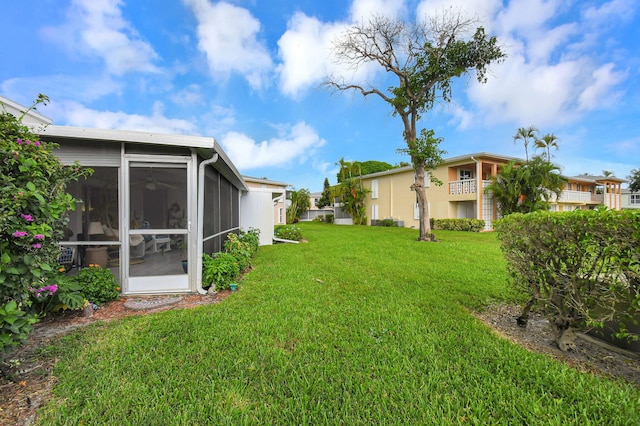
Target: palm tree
(607, 173)
(526, 135)
(526, 188)
(547, 142)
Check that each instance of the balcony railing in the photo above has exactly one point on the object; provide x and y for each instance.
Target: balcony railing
(578, 197)
(467, 186)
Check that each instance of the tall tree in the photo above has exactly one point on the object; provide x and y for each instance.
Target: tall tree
(423, 57)
(526, 135)
(634, 180)
(607, 173)
(547, 142)
(325, 198)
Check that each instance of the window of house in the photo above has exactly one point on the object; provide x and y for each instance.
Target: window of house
(374, 212)
(465, 174)
(374, 189)
(634, 199)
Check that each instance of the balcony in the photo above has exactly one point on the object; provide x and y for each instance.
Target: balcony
(579, 197)
(467, 186)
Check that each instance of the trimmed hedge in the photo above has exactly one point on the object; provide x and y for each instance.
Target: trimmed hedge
(470, 225)
(581, 269)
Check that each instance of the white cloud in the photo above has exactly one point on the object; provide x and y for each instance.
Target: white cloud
(190, 96)
(305, 49)
(228, 37)
(297, 144)
(482, 10)
(74, 114)
(97, 28)
(600, 92)
(362, 10)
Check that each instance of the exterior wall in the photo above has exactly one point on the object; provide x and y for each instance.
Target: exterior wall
(279, 206)
(455, 198)
(395, 198)
(630, 200)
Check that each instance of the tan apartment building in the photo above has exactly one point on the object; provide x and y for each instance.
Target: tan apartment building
(462, 193)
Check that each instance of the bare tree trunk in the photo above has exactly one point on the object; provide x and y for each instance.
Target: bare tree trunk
(423, 205)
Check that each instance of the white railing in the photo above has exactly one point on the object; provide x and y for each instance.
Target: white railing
(577, 197)
(467, 186)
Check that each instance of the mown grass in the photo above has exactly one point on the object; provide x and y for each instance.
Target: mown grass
(362, 325)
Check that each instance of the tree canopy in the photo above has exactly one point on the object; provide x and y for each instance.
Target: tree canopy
(634, 180)
(423, 57)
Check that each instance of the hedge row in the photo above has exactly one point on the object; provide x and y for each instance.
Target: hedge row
(470, 225)
(581, 269)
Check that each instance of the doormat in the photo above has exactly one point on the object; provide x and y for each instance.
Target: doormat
(151, 303)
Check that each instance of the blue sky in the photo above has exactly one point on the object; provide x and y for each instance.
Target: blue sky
(247, 72)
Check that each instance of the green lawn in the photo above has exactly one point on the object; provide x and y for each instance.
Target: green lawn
(362, 325)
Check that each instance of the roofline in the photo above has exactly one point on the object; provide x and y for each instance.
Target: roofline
(597, 179)
(32, 112)
(267, 181)
(471, 157)
(205, 146)
(130, 136)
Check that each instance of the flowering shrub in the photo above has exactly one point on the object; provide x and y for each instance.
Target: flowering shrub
(98, 284)
(288, 232)
(66, 294)
(32, 216)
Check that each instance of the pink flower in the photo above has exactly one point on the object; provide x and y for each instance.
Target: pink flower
(19, 141)
(27, 217)
(19, 234)
(37, 143)
(38, 237)
(37, 246)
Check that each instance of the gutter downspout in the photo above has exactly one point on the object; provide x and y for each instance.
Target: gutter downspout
(478, 191)
(201, 168)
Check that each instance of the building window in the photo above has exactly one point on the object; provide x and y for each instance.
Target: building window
(465, 174)
(374, 212)
(374, 189)
(634, 199)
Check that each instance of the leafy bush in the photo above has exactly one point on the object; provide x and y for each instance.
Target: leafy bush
(470, 225)
(219, 270)
(389, 223)
(32, 219)
(251, 239)
(240, 251)
(98, 284)
(288, 232)
(329, 218)
(581, 268)
(66, 294)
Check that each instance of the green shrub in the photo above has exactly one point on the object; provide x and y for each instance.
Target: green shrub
(580, 268)
(469, 225)
(32, 219)
(98, 284)
(389, 223)
(329, 218)
(65, 294)
(251, 239)
(288, 232)
(239, 250)
(220, 270)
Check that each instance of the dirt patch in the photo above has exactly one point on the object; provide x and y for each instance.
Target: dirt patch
(31, 379)
(27, 380)
(591, 355)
